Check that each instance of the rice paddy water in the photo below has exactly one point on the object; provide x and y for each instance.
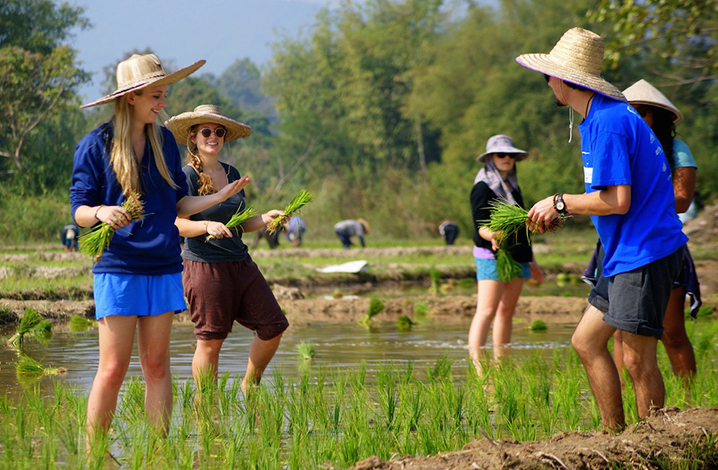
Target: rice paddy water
(368, 391)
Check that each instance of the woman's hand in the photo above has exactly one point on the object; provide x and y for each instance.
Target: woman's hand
(217, 229)
(536, 272)
(233, 188)
(269, 216)
(114, 216)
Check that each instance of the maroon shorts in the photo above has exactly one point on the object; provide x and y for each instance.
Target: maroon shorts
(220, 293)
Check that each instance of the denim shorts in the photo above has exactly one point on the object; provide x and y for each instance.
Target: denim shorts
(486, 270)
(138, 295)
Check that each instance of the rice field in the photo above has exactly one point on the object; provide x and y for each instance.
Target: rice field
(331, 416)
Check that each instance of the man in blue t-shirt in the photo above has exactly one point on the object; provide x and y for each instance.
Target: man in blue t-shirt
(629, 196)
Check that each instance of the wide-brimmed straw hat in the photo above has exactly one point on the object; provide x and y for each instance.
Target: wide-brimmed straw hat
(364, 224)
(501, 144)
(140, 71)
(644, 93)
(181, 124)
(576, 58)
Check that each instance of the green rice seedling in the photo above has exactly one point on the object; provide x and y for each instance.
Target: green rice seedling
(508, 219)
(421, 311)
(306, 351)
(404, 323)
(435, 276)
(376, 306)
(31, 325)
(538, 325)
(94, 242)
(29, 367)
(294, 207)
(240, 217)
(507, 267)
(78, 323)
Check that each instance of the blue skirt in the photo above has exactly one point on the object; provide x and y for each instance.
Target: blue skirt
(138, 295)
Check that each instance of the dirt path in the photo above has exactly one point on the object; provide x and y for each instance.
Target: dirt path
(666, 436)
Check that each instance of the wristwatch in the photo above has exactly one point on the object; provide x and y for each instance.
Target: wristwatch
(559, 205)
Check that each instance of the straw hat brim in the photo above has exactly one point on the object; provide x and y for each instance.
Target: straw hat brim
(544, 63)
(643, 93)
(159, 80)
(181, 125)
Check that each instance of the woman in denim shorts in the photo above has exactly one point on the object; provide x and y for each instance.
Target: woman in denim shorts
(497, 181)
(137, 280)
(221, 282)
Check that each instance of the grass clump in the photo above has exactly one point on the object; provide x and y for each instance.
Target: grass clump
(78, 323)
(31, 325)
(294, 207)
(538, 325)
(404, 323)
(376, 306)
(27, 366)
(435, 276)
(240, 217)
(306, 350)
(94, 242)
(421, 311)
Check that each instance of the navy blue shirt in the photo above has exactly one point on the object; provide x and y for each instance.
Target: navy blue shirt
(149, 246)
(216, 250)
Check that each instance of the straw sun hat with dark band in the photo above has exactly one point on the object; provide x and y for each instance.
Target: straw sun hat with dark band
(643, 93)
(181, 124)
(576, 58)
(140, 71)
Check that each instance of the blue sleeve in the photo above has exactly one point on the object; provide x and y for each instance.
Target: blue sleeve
(87, 173)
(682, 157)
(611, 164)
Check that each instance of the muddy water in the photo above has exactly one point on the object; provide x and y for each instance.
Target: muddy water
(337, 346)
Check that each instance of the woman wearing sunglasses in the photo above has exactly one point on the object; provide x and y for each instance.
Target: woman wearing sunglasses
(497, 299)
(221, 282)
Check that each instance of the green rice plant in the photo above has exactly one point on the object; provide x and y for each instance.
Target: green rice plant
(31, 325)
(78, 323)
(507, 267)
(538, 325)
(306, 351)
(27, 366)
(435, 276)
(421, 311)
(404, 323)
(240, 217)
(94, 242)
(376, 306)
(294, 207)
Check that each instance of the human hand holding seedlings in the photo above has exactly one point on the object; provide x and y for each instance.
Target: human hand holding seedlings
(114, 216)
(217, 230)
(270, 216)
(541, 215)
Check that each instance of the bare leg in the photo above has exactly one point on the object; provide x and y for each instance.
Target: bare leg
(639, 353)
(488, 297)
(116, 335)
(260, 353)
(591, 343)
(505, 312)
(618, 353)
(154, 350)
(206, 360)
(675, 339)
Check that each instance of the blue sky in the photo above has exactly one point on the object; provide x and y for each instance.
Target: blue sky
(183, 31)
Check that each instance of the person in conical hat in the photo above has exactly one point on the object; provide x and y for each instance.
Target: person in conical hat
(626, 185)
(221, 282)
(662, 116)
(137, 280)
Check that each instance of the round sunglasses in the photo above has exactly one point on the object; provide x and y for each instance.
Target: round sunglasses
(206, 132)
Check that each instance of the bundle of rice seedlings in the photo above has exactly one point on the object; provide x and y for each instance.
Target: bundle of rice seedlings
(404, 323)
(239, 217)
(78, 323)
(94, 242)
(435, 276)
(306, 351)
(375, 307)
(538, 325)
(508, 268)
(28, 366)
(294, 207)
(31, 325)
(421, 311)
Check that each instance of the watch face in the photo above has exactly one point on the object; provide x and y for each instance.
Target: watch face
(560, 206)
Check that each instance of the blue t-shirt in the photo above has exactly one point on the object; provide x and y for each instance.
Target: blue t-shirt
(682, 157)
(216, 250)
(148, 246)
(619, 148)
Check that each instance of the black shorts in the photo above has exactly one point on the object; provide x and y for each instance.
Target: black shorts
(218, 294)
(638, 298)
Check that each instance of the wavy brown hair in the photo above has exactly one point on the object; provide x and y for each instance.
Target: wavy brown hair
(195, 161)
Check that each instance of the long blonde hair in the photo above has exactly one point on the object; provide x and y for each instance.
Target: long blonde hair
(122, 157)
(195, 161)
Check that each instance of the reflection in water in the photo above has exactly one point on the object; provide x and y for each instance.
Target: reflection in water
(337, 346)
